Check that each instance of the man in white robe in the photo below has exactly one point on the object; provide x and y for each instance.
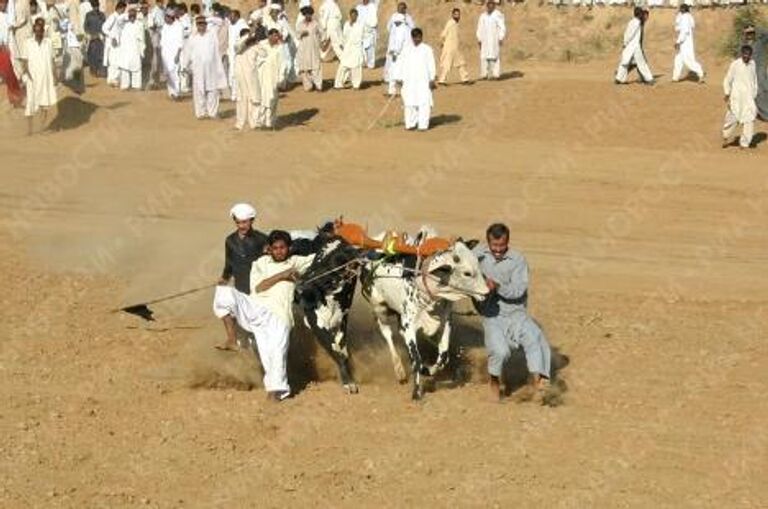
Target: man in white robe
(399, 38)
(111, 31)
(171, 45)
(491, 31)
(38, 73)
(418, 74)
(269, 65)
(129, 52)
(330, 24)
(632, 53)
(247, 81)
(740, 88)
(236, 25)
(367, 12)
(309, 64)
(203, 60)
(267, 312)
(20, 18)
(686, 56)
(155, 22)
(352, 53)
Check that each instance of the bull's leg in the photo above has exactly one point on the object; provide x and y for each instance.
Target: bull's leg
(388, 334)
(442, 349)
(416, 364)
(335, 345)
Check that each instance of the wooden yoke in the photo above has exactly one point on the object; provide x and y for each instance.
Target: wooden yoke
(392, 243)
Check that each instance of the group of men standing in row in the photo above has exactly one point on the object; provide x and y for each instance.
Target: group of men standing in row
(207, 49)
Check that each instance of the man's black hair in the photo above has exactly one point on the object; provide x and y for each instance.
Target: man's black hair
(417, 32)
(497, 231)
(120, 5)
(455, 9)
(638, 12)
(278, 235)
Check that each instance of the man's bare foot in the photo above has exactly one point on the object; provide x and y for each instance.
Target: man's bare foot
(227, 347)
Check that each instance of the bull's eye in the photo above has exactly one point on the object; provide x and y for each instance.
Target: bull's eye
(456, 259)
(467, 274)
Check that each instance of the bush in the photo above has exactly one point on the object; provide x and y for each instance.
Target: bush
(745, 17)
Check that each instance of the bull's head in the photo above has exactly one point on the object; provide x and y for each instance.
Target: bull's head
(455, 274)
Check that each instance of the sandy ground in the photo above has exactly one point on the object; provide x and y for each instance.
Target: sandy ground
(647, 244)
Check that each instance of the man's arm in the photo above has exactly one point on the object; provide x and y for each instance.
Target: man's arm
(226, 273)
(515, 284)
(267, 283)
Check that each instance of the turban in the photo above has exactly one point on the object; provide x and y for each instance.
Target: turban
(275, 7)
(242, 211)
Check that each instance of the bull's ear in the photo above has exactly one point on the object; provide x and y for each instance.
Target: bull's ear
(471, 243)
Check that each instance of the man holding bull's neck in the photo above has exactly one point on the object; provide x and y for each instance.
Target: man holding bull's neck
(506, 322)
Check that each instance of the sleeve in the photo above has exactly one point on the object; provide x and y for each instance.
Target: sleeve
(754, 82)
(444, 33)
(727, 81)
(431, 64)
(302, 263)
(258, 274)
(502, 26)
(516, 282)
(683, 31)
(226, 273)
(479, 31)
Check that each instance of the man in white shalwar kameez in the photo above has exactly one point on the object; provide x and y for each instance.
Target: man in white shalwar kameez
(399, 39)
(267, 312)
(309, 63)
(418, 75)
(204, 62)
(129, 52)
(632, 53)
(111, 31)
(367, 12)
(236, 25)
(491, 30)
(247, 81)
(38, 73)
(330, 24)
(269, 65)
(171, 45)
(352, 54)
(686, 56)
(740, 88)
(20, 21)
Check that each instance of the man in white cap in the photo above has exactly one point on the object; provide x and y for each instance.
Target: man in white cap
(267, 312)
(171, 44)
(131, 46)
(330, 24)
(367, 11)
(242, 247)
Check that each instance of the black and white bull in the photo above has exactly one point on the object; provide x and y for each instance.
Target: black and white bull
(422, 299)
(325, 292)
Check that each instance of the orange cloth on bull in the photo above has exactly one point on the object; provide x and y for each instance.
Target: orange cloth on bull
(393, 243)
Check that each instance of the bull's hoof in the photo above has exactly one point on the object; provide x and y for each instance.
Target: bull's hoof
(418, 393)
(351, 388)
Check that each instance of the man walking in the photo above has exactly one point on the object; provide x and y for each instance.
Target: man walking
(491, 31)
(632, 53)
(740, 87)
(686, 56)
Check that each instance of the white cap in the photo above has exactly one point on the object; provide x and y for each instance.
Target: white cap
(242, 211)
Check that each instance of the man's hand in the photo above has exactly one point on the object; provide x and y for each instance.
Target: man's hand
(677, 46)
(492, 285)
(223, 281)
(727, 98)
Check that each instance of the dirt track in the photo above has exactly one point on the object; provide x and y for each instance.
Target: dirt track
(647, 243)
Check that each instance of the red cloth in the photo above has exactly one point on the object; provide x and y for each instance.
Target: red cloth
(15, 94)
